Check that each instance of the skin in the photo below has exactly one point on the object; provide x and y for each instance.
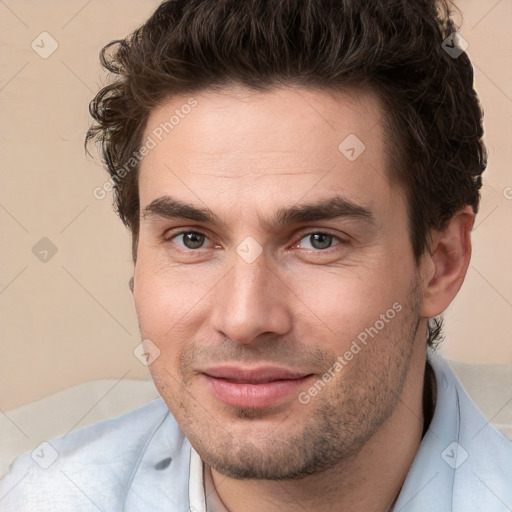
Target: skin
(244, 155)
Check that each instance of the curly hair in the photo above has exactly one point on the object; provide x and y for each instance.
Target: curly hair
(394, 48)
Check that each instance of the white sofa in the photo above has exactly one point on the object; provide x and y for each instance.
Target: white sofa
(24, 428)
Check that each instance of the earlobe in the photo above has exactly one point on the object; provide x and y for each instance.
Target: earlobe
(448, 261)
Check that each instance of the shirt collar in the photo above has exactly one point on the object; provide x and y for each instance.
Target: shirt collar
(430, 479)
(196, 490)
(202, 494)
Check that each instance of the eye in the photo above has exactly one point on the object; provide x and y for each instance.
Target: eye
(189, 239)
(318, 241)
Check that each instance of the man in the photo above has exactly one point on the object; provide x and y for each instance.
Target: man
(300, 180)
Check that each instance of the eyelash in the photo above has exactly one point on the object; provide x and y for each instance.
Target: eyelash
(169, 238)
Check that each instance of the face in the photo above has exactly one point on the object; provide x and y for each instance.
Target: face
(275, 279)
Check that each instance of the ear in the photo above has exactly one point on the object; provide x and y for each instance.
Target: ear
(446, 263)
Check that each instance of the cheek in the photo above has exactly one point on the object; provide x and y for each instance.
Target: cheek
(165, 294)
(173, 305)
(347, 301)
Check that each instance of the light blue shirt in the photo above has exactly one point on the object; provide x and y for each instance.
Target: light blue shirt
(142, 462)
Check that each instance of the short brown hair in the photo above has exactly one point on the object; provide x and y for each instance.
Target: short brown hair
(392, 47)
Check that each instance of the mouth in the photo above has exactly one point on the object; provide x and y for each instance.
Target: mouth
(254, 388)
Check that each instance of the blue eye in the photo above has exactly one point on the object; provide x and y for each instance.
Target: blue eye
(319, 241)
(190, 239)
(194, 240)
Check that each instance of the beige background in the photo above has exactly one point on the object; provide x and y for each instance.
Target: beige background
(71, 319)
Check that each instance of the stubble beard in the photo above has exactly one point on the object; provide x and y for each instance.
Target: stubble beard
(339, 420)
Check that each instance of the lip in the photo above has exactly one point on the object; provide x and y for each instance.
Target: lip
(253, 387)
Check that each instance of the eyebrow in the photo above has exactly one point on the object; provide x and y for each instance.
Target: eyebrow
(335, 207)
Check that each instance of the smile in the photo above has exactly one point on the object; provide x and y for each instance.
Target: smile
(254, 388)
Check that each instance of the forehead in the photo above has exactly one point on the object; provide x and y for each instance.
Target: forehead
(274, 147)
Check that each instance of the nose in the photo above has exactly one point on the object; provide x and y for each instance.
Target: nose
(251, 300)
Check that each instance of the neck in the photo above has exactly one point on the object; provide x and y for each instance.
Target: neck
(369, 481)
